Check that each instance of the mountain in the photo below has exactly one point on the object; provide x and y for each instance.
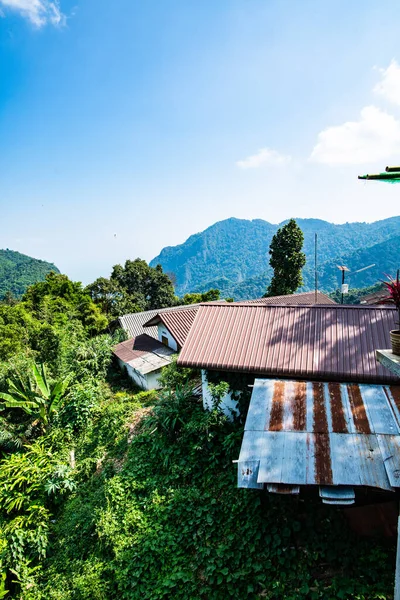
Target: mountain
(18, 272)
(233, 255)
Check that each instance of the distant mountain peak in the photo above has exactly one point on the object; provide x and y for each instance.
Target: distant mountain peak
(235, 251)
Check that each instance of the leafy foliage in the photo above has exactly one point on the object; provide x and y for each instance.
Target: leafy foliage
(393, 289)
(160, 516)
(132, 495)
(173, 376)
(18, 272)
(355, 295)
(210, 296)
(58, 300)
(35, 396)
(287, 260)
(133, 287)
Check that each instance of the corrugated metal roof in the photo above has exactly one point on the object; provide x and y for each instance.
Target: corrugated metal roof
(143, 353)
(311, 342)
(133, 323)
(301, 298)
(328, 434)
(178, 322)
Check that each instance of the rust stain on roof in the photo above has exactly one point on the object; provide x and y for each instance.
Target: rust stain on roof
(333, 444)
(338, 418)
(276, 419)
(395, 391)
(320, 418)
(323, 467)
(300, 406)
(358, 409)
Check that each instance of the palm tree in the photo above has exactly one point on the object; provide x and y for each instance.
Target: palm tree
(35, 397)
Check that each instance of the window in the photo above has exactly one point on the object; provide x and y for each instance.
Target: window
(164, 340)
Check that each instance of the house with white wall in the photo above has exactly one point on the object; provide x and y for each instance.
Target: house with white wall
(143, 358)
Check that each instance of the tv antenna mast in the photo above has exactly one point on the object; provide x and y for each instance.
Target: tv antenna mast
(345, 286)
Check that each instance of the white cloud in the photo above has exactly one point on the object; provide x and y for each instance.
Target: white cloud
(39, 12)
(264, 157)
(389, 87)
(374, 137)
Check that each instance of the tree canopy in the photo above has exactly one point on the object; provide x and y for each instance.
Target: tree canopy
(133, 287)
(287, 260)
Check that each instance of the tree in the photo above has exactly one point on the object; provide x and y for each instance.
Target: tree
(36, 397)
(197, 297)
(57, 300)
(138, 280)
(287, 260)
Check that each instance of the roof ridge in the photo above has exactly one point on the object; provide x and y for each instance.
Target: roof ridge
(334, 306)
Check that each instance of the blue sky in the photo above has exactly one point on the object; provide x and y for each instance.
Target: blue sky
(128, 126)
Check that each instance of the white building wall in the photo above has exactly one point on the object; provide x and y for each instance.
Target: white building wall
(152, 380)
(227, 404)
(145, 382)
(163, 331)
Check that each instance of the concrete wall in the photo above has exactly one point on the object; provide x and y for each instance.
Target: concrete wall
(227, 404)
(152, 380)
(145, 382)
(163, 331)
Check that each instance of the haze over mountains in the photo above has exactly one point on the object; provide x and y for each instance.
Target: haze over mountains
(232, 255)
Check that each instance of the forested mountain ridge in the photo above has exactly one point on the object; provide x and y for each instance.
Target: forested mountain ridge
(233, 254)
(19, 271)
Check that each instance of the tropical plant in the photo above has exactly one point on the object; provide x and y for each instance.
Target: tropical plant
(35, 396)
(287, 260)
(173, 376)
(393, 287)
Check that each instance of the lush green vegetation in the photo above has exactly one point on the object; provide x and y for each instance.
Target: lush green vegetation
(108, 493)
(138, 287)
(232, 255)
(356, 295)
(287, 260)
(18, 272)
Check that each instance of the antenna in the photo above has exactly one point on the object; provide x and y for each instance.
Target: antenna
(345, 286)
(363, 269)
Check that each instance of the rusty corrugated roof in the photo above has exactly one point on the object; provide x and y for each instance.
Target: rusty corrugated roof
(311, 342)
(293, 299)
(328, 434)
(178, 322)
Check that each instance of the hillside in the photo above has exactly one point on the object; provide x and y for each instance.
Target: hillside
(233, 255)
(18, 272)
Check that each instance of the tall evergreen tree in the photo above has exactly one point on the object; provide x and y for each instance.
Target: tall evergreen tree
(287, 260)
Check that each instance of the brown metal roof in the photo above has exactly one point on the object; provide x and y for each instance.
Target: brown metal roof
(310, 342)
(293, 299)
(134, 323)
(374, 298)
(329, 434)
(137, 347)
(178, 322)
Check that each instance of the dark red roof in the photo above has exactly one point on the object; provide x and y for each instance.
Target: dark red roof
(294, 299)
(136, 347)
(312, 342)
(178, 322)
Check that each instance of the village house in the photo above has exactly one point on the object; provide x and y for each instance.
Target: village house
(170, 326)
(152, 343)
(323, 410)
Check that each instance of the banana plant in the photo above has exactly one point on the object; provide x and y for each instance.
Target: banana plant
(36, 397)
